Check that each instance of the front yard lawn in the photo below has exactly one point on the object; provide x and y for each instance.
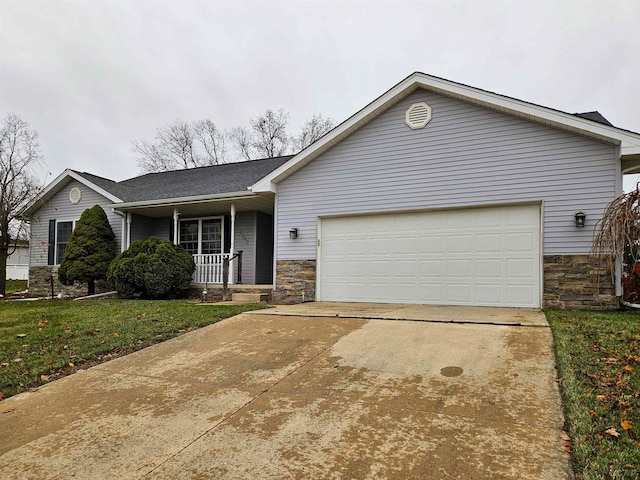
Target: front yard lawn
(44, 340)
(598, 358)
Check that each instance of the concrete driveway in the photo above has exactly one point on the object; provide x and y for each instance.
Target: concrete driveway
(307, 392)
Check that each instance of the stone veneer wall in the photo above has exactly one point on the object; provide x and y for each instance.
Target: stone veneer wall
(573, 282)
(40, 284)
(570, 282)
(294, 277)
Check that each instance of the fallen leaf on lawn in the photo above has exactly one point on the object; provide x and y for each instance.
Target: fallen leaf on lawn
(628, 368)
(611, 360)
(4, 364)
(612, 431)
(115, 334)
(71, 364)
(593, 413)
(1, 397)
(21, 335)
(565, 436)
(566, 444)
(17, 360)
(44, 378)
(626, 424)
(600, 397)
(43, 323)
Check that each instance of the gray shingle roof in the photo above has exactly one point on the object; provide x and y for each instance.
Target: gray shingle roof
(594, 116)
(216, 179)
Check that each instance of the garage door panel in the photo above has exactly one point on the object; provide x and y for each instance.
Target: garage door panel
(491, 268)
(484, 256)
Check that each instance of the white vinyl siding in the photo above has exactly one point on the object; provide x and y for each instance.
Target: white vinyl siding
(245, 226)
(60, 208)
(480, 256)
(467, 155)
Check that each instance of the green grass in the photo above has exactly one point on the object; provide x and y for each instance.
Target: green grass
(598, 358)
(44, 340)
(15, 286)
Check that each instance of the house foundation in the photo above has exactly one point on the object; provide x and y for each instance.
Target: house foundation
(295, 281)
(574, 282)
(40, 283)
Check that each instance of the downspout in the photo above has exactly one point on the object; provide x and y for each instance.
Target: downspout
(233, 244)
(176, 215)
(275, 240)
(618, 191)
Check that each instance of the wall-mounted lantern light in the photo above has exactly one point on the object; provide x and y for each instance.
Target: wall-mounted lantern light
(580, 218)
(293, 233)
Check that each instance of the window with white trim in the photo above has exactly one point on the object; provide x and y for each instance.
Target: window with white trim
(201, 235)
(63, 234)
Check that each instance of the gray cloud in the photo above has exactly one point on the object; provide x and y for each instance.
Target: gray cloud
(93, 76)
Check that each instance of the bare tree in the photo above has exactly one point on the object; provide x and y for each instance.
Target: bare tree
(19, 155)
(182, 145)
(266, 138)
(212, 141)
(312, 130)
(270, 133)
(243, 142)
(617, 241)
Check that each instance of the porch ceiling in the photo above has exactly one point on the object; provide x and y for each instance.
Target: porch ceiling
(261, 202)
(631, 163)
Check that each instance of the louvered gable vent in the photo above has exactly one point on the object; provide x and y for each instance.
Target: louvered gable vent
(418, 115)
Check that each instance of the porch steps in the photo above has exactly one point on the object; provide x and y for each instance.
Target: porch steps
(250, 297)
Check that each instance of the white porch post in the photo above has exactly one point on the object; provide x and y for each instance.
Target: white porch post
(123, 243)
(128, 229)
(175, 226)
(232, 248)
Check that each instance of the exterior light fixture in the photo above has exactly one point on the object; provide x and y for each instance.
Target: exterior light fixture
(580, 218)
(293, 233)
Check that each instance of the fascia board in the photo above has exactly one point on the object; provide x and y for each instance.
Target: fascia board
(164, 202)
(533, 112)
(58, 183)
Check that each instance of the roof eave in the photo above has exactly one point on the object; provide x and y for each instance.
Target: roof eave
(56, 185)
(167, 202)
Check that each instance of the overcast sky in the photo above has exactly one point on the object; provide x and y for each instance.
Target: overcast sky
(93, 76)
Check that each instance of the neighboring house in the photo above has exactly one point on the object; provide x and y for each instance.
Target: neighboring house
(18, 261)
(436, 192)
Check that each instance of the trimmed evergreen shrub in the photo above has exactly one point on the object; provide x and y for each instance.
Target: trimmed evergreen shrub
(90, 250)
(152, 268)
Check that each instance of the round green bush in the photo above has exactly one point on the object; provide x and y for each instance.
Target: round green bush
(153, 269)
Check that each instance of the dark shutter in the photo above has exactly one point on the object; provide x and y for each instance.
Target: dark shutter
(51, 252)
(171, 230)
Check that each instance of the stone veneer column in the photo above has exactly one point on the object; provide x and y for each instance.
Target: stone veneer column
(574, 282)
(293, 277)
(40, 284)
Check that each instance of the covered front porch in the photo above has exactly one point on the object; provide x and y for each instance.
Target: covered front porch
(230, 236)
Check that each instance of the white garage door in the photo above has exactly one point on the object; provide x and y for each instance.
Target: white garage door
(482, 256)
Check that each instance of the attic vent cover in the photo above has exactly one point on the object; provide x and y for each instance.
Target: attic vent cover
(75, 195)
(418, 115)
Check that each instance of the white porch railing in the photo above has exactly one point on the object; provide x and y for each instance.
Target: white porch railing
(209, 268)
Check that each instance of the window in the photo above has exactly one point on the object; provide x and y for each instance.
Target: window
(63, 234)
(201, 235)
